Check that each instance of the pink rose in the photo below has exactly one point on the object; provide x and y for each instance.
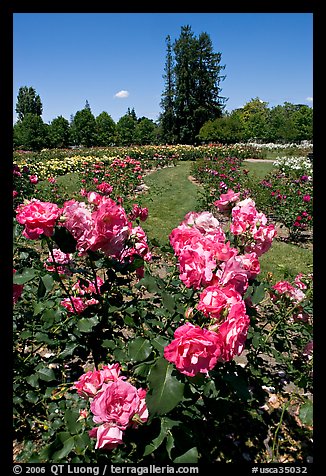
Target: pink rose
(139, 245)
(203, 221)
(263, 239)
(234, 272)
(111, 228)
(223, 251)
(196, 266)
(233, 332)
(108, 436)
(61, 259)
(91, 382)
(138, 212)
(117, 403)
(105, 188)
(250, 264)
(74, 304)
(284, 288)
(226, 200)
(78, 220)
(33, 179)
(38, 217)
(216, 300)
(183, 236)
(193, 350)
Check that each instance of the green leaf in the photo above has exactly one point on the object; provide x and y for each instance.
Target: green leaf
(24, 275)
(169, 443)
(68, 444)
(48, 282)
(166, 425)
(86, 324)
(164, 390)
(71, 417)
(306, 413)
(139, 349)
(150, 284)
(168, 301)
(159, 343)
(33, 380)
(46, 374)
(190, 456)
(258, 293)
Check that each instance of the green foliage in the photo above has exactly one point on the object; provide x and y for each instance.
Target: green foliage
(59, 133)
(126, 127)
(30, 133)
(255, 121)
(83, 128)
(105, 129)
(28, 102)
(192, 92)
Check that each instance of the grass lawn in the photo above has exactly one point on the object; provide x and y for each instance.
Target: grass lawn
(258, 170)
(171, 195)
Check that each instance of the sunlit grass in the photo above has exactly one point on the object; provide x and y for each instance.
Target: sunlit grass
(170, 196)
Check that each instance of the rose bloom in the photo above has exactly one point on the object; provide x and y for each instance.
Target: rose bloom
(250, 263)
(118, 402)
(108, 436)
(184, 236)
(224, 203)
(83, 289)
(91, 382)
(60, 259)
(216, 300)
(138, 212)
(78, 220)
(33, 179)
(77, 305)
(233, 332)
(38, 217)
(139, 246)
(206, 223)
(300, 284)
(111, 228)
(94, 198)
(223, 251)
(105, 188)
(263, 239)
(234, 272)
(245, 217)
(196, 266)
(194, 350)
(284, 288)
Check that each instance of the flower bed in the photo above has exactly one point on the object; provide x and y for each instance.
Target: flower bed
(113, 363)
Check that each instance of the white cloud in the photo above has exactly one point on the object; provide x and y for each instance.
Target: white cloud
(122, 94)
(309, 99)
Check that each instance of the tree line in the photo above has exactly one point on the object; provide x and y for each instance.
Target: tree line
(192, 110)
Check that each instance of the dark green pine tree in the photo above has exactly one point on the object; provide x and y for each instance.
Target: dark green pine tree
(197, 76)
(208, 102)
(167, 117)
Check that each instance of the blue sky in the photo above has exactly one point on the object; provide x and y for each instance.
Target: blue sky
(116, 60)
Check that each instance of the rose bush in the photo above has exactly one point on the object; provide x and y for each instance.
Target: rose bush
(168, 367)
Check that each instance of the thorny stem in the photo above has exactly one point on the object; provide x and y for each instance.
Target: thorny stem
(278, 428)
